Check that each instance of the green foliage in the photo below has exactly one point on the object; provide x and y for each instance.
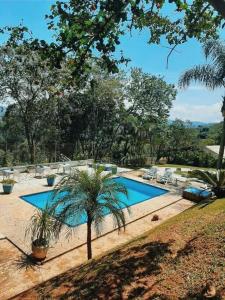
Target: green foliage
(212, 76)
(123, 118)
(196, 157)
(51, 176)
(89, 29)
(7, 159)
(216, 179)
(8, 181)
(90, 195)
(30, 83)
(42, 227)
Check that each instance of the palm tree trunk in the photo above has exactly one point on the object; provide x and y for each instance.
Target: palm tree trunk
(221, 151)
(89, 249)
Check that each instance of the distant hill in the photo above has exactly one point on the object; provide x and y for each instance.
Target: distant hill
(197, 124)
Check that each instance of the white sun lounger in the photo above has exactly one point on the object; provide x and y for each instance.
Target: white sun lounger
(151, 174)
(167, 177)
(41, 170)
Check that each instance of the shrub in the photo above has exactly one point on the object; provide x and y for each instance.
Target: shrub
(51, 176)
(8, 181)
(7, 159)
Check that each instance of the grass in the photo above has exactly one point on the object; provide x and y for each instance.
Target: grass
(185, 166)
(172, 261)
(182, 173)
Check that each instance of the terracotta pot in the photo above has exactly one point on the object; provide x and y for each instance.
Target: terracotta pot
(39, 252)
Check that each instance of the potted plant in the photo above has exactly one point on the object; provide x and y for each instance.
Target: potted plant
(42, 230)
(7, 185)
(114, 169)
(51, 179)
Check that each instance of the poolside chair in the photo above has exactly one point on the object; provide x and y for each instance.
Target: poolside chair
(7, 173)
(67, 169)
(40, 170)
(167, 177)
(151, 174)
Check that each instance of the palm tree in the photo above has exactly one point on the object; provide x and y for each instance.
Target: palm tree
(91, 196)
(212, 75)
(215, 180)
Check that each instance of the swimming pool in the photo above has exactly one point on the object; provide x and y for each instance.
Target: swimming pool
(137, 192)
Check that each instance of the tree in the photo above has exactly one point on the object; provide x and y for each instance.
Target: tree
(26, 81)
(90, 115)
(182, 139)
(149, 99)
(212, 75)
(93, 28)
(90, 195)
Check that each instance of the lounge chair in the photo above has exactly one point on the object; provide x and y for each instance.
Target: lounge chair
(8, 172)
(167, 177)
(40, 170)
(150, 174)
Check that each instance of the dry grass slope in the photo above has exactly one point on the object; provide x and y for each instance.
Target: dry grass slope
(173, 261)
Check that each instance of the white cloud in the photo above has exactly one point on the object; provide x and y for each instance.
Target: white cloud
(197, 112)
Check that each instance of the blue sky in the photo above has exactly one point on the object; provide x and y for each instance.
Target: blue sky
(195, 103)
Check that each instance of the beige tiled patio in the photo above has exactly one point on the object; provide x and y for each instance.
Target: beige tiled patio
(16, 276)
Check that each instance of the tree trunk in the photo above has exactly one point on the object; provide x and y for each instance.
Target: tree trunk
(221, 151)
(30, 141)
(32, 152)
(89, 249)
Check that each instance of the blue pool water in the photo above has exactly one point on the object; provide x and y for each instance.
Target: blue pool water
(137, 192)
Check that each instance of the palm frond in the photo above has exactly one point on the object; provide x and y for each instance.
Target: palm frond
(94, 194)
(207, 177)
(205, 74)
(215, 50)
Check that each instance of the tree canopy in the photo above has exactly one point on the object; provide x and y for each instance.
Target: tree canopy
(93, 28)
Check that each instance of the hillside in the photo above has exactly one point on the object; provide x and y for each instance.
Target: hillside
(173, 261)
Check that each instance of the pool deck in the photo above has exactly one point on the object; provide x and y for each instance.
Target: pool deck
(16, 272)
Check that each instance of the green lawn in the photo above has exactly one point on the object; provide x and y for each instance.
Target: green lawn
(172, 261)
(185, 166)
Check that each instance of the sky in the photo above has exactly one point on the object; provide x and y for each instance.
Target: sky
(195, 103)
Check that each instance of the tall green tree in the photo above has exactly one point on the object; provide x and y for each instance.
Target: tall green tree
(212, 75)
(148, 102)
(26, 81)
(83, 196)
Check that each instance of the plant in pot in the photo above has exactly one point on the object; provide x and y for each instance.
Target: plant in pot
(42, 231)
(51, 179)
(215, 180)
(7, 185)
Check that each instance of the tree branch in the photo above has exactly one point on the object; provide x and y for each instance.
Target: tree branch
(219, 6)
